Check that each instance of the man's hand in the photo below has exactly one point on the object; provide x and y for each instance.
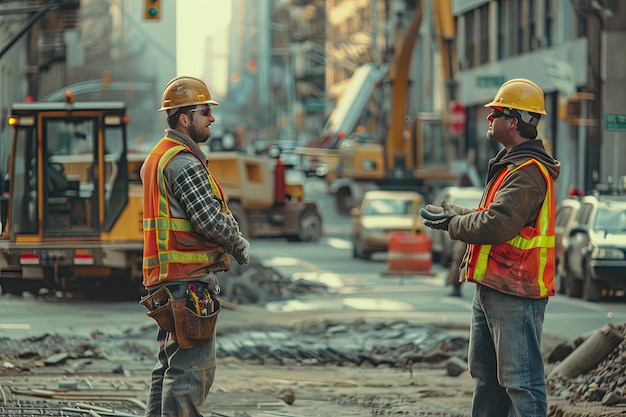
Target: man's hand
(240, 250)
(437, 217)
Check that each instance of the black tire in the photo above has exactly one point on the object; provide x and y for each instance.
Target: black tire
(436, 257)
(344, 201)
(573, 287)
(13, 286)
(309, 227)
(242, 218)
(592, 290)
(358, 252)
(559, 278)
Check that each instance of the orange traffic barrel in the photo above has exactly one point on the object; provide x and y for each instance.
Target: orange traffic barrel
(409, 254)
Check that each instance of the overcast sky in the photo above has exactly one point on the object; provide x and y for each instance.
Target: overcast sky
(195, 20)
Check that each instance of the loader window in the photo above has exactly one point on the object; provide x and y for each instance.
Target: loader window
(71, 176)
(115, 175)
(24, 199)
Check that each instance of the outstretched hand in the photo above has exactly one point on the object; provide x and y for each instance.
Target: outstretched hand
(437, 217)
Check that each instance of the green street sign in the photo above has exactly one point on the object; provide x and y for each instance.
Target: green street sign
(614, 122)
(490, 81)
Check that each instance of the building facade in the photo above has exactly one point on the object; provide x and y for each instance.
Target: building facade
(99, 50)
(569, 48)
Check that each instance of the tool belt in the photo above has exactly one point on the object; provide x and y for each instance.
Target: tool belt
(188, 328)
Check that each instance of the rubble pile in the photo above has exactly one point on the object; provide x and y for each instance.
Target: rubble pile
(257, 284)
(604, 384)
(60, 349)
(358, 343)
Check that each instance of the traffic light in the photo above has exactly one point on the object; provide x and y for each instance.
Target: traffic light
(574, 109)
(152, 10)
(577, 110)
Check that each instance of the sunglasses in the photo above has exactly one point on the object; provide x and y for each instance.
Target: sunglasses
(495, 113)
(205, 111)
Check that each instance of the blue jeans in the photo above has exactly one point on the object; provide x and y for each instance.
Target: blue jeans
(181, 378)
(505, 355)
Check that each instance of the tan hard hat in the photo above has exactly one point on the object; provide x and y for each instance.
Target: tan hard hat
(185, 91)
(519, 94)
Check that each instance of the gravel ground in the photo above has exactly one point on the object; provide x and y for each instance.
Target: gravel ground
(287, 364)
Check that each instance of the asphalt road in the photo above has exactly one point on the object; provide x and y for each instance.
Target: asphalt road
(353, 285)
(356, 289)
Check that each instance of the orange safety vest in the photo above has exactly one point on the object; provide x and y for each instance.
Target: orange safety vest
(172, 248)
(524, 265)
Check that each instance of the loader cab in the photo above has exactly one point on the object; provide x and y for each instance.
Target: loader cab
(68, 170)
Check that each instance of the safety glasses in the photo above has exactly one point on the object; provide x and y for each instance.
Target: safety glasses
(495, 113)
(205, 111)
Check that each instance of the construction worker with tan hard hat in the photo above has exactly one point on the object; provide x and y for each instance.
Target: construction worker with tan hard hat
(189, 236)
(510, 257)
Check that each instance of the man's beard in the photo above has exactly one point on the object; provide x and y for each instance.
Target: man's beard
(198, 136)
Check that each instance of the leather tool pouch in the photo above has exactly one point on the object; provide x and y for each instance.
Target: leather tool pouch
(160, 309)
(192, 329)
(189, 328)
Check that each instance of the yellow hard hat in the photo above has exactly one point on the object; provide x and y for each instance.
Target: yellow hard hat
(519, 94)
(185, 91)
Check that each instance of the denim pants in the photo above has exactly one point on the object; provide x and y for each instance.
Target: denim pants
(181, 378)
(505, 355)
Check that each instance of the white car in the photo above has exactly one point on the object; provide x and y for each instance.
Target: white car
(380, 214)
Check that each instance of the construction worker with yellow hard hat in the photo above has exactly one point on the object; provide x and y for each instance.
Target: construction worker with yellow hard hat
(189, 236)
(510, 257)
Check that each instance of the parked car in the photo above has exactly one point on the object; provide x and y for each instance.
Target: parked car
(595, 249)
(461, 196)
(565, 215)
(380, 214)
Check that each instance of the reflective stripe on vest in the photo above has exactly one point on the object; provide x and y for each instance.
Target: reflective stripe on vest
(161, 231)
(538, 239)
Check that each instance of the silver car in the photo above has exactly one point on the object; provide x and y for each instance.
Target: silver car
(595, 249)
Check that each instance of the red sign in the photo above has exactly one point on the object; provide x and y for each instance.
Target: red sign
(456, 118)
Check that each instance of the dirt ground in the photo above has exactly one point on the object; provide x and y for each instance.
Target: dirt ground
(109, 375)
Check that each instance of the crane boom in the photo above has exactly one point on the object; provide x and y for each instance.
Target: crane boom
(399, 75)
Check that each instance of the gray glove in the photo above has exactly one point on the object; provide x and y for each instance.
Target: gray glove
(438, 218)
(240, 250)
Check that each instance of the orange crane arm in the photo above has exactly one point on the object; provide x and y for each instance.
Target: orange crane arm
(399, 75)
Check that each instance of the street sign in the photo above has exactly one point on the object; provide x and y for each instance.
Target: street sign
(490, 81)
(456, 118)
(615, 122)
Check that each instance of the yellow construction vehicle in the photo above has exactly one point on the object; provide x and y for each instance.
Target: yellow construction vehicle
(405, 151)
(72, 210)
(73, 213)
(266, 204)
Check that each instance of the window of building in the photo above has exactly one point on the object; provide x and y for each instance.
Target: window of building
(483, 13)
(533, 39)
(581, 27)
(470, 40)
(522, 21)
(549, 23)
(501, 29)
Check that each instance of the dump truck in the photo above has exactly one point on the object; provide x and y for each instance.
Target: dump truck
(72, 200)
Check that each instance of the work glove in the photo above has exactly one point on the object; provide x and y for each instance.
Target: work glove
(438, 218)
(240, 250)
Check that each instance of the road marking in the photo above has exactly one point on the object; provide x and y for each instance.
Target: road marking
(14, 326)
(339, 243)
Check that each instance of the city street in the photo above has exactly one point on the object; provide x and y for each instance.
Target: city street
(348, 292)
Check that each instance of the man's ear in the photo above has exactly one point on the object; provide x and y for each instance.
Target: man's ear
(183, 119)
